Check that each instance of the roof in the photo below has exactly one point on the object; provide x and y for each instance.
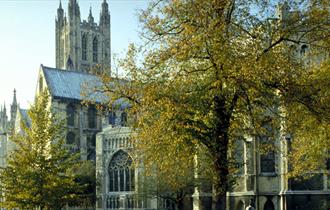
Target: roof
(25, 117)
(69, 84)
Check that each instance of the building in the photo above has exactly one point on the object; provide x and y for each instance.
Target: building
(263, 177)
(6, 127)
(82, 45)
(104, 137)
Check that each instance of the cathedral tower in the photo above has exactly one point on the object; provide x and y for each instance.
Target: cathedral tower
(80, 45)
(3, 119)
(13, 110)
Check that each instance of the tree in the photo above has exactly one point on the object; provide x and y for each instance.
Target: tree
(214, 71)
(85, 176)
(37, 174)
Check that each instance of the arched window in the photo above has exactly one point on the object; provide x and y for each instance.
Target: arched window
(121, 173)
(70, 138)
(84, 47)
(91, 117)
(70, 114)
(95, 49)
(123, 120)
(112, 118)
(303, 50)
(269, 205)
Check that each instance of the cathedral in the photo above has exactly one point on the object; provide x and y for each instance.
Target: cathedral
(104, 137)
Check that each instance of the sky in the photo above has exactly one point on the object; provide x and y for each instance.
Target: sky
(27, 39)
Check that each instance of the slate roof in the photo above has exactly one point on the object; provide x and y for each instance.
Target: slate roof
(25, 116)
(68, 84)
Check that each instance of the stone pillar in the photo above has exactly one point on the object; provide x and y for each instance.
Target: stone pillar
(100, 173)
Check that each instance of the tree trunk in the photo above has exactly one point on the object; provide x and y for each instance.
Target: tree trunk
(221, 184)
(179, 204)
(220, 151)
(220, 201)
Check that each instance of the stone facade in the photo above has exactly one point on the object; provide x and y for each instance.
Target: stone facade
(6, 126)
(104, 137)
(264, 175)
(82, 45)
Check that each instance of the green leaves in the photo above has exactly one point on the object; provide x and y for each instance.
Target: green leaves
(38, 169)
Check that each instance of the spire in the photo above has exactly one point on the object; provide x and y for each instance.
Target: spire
(13, 108)
(60, 14)
(73, 9)
(90, 16)
(14, 98)
(105, 15)
(4, 109)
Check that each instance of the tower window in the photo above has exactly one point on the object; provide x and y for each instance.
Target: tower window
(84, 47)
(95, 49)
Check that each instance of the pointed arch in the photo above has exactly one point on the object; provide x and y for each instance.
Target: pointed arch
(69, 64)
(121, 172)
(269, 204)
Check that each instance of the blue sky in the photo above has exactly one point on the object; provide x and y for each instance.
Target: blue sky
(27, 39)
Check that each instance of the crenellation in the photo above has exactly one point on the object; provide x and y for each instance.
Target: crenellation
(73, 50)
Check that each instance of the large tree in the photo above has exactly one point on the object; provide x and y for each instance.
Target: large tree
(214, 71)
(38, 172)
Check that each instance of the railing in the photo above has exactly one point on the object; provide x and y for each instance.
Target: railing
(127, 202)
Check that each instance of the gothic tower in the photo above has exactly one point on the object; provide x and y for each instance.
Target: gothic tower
(3, 119)
(80, 45)
(13, 110)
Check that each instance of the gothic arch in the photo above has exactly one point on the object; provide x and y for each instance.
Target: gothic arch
(121, 172)
(269, 204)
